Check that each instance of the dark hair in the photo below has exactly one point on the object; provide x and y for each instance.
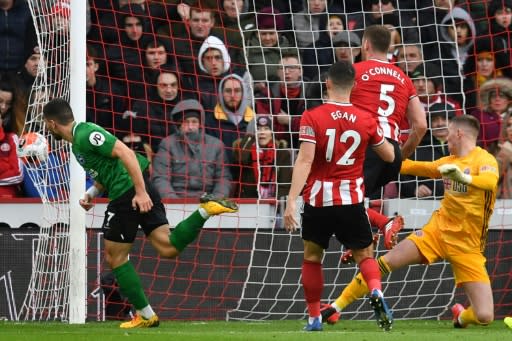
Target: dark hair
(291, 53)
(58, 110)
(342, 74)
(92, 53)
(154, 43)
(379, 37)
(467, 121)
(14, 119)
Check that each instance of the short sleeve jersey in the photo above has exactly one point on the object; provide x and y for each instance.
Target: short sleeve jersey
(92, 147)
(341, 133)
(385, 91)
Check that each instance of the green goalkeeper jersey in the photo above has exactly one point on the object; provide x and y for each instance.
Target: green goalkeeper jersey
(92, 147)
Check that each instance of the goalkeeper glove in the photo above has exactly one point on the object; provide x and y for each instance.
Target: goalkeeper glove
(454, 173)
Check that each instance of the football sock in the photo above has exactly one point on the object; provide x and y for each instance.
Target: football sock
(468, 317)
(146, 312)
(313, 283)
(357, 288)
(371, 273)
(383, 266)
(377, 219)
(186, 231)
(130, 285)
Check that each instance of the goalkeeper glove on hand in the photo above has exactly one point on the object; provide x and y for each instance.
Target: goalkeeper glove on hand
(454, 173)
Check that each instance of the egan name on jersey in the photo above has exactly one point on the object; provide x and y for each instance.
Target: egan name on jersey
(343, 115)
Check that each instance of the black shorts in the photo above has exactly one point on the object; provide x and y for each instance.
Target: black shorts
(122, 222)
(348, 223)
(378, 173)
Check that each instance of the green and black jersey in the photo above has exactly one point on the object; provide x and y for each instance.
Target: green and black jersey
(92, 147)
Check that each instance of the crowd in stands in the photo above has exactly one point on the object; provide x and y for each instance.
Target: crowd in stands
(212, 92)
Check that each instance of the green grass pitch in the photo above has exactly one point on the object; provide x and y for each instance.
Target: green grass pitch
(247, 331)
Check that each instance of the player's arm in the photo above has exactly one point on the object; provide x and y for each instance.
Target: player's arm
(426, 169)
(300, 174)
(130, 162)
(385, 151)
(486, 179)
(91, 193)
(418, 126)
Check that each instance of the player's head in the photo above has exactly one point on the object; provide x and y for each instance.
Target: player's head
(376, 40)
(340, 78)
(462, 132)
(56, 114)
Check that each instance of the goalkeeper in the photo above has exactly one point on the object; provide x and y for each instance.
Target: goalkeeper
(456, 232)
(133, 202)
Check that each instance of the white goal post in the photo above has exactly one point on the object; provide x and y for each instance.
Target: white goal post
(57, 287)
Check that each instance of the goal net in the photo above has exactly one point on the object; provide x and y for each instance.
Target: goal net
(47, 296)
(443, 71)
(244, 266)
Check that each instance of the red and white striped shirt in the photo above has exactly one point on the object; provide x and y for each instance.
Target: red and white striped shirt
(341, 133)
(384, 90)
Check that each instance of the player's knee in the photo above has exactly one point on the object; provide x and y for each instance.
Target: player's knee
(115, 260)
(485, 316)
(168, 252)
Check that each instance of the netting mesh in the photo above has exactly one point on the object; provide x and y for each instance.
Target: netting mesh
(48, 290)
(247, 267)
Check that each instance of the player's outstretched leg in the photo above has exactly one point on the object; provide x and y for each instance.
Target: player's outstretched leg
(329, 313)
(140, 322)
(382, 312)
(215, 206)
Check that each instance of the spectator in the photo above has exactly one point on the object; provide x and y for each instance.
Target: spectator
(13, 104)
(17, 34)
(190, 162)
(460, 39)
(429, 86)
(157, 56)
(409, 57)
(309, 22)
(125, 59)
(347, 46)
(295, 94)
(11, 175)
(233, 17)
(480, 67)
(432, 147)
(405, 21)
(214, 63)
(28, 73)
(495, 97)
(264, 47)
(150, 121)
(105, 98)
(429, 20)
(319, 56)
(189, 36)
(266, 170)
(500, 14)
(504, 158)
(232, 113)
(105, 16)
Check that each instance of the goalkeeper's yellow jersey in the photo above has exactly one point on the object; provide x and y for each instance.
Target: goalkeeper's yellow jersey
(466, 210)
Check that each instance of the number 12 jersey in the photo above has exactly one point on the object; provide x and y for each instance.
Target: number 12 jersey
(341, 133)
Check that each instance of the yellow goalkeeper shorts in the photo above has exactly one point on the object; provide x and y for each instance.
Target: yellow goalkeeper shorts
(466, 266)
